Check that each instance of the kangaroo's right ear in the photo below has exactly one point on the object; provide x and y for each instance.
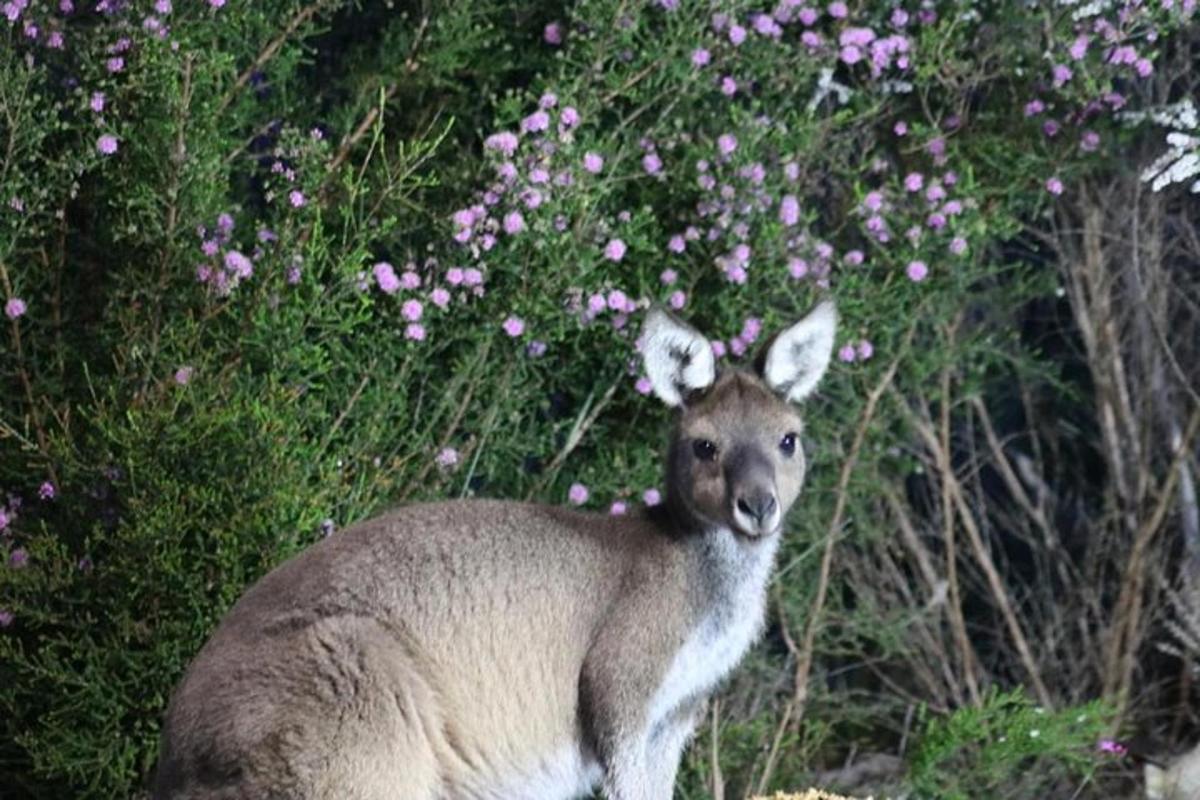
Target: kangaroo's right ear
(1156, 782)
(678, 358)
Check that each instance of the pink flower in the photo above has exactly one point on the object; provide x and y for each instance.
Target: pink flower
(553, 34)
(1144, 67)
(97, 102)
(1060, 74)
(914, 181)
(47, 491)
(900, 128)
(536, 122)
(838, 10)
(107, 144)
(412, 310)
(386, 278)
(728, 86)
(617, 300)
(865, 350)
(677, 300)
(737, 34)
(617, 508)
(6, 618)
(183, 375)
(614, 250)
(593, 162)
(873, 201)
(415, 331)
(1034, 107)
(596, 303)
(847, 353)
(797, 268)
(643, 385)
(700, 57)
(1110, 746)
(297, 198)
(726, 143)
(514, 223)
(514, 326)
(410, 279)
(718, 348)
(1078, 48)
(856, 37)
(916, 271)
(651, 163)
(454, 276)
(447, 457)
(237, 263)
(854, 258)
(651, 497)
(958, 245)
(14, 308)
(1054, 186)
(439, 297)
(789, 210)
(677, 244)
(504, 142)
(668, 277)
(18, 558)
(577, 494)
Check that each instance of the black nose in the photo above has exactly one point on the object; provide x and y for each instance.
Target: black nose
(758, 506)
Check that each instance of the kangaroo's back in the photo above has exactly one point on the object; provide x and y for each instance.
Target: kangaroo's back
(489, 649)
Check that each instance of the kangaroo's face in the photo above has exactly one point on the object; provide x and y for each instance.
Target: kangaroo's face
(736, 460)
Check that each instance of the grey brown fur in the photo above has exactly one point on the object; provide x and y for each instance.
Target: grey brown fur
(488, 649)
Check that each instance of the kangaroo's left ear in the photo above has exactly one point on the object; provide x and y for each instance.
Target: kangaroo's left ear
(796, 359)
(677, 357)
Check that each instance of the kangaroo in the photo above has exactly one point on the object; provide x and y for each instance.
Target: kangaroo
(1180, 781)
(489, 650)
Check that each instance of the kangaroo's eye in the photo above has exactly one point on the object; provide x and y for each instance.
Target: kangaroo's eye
(704, 449)
(787, 444)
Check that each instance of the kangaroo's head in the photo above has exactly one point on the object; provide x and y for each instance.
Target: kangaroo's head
(735, 457)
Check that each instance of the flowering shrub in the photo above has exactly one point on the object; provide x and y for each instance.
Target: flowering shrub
(269, 267)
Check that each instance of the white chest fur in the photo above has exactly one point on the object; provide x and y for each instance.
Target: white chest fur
(739, 572)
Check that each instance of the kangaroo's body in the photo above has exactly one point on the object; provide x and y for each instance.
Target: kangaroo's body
(1178, 781)
(486, 649)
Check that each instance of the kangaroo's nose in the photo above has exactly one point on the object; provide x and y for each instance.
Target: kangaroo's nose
(757, 505)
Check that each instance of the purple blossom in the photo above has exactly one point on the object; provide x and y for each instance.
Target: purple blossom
(237, 263)
(183, 375)
(847, 353)
(651, 163)
(668, 277)
(553, 33)
(514, 326)
(677, 300)
(1034, 107)
(643, 386)
(415, 332)
(900, 128)
(504, 142)
(115, 64)
(18, 558)
(618, 508)
(6, 618)
(569, 116)
(1089, 141)
(701, 57)
(107, 144)
(865, 350)
(412, 310)
(536, 122)
(614, 250)
(726, 143)
(1079, 47)
(410, 279)
(789, 210)
(385, 277)
(1060, 74)
(577, 494)
(914, 181)
(514, 223)
(651, 497)
(440, 297)
(737, 34)
(958, 245)
(535, 349)
(447, 457)
(14, 308)
(47, 491)
(729, 86)
(807, 16)
(297, 198)
(1054, 186)
(677, 244)
(838, 10)
(593, 162)
(916, 271)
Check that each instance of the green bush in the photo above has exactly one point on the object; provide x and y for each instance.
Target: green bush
(265, 275)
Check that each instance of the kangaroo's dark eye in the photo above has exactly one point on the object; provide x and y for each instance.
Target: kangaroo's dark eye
(704, 449)
(787, 444)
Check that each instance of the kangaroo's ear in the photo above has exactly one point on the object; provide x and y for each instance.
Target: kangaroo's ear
(678, 359)
(796, 359)
(1156, 782)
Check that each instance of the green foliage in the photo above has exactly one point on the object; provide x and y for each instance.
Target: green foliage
(1007, 747)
